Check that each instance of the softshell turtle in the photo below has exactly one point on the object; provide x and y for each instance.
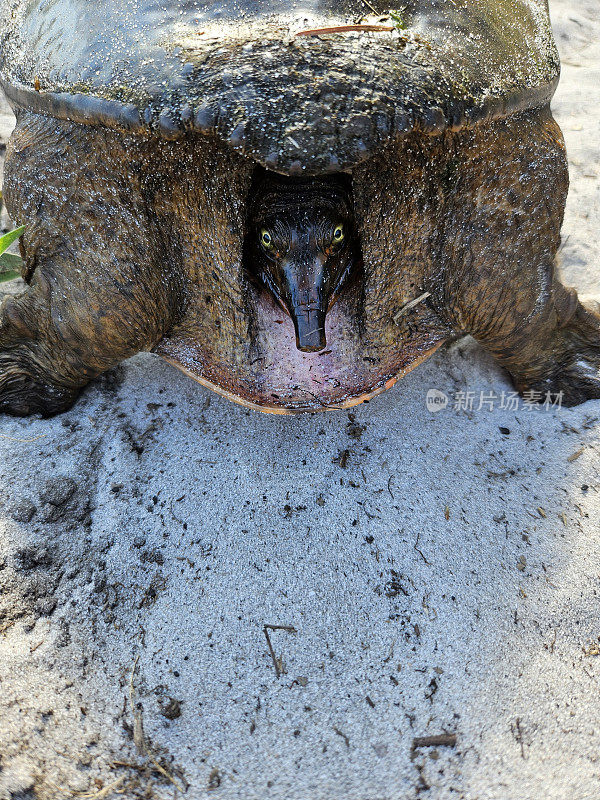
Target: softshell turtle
(294, 204)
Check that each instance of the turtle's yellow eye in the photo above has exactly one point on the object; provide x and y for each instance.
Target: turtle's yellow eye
(338, 234)
(266, 239)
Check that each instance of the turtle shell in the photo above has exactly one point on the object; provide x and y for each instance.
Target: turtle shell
(271, 78)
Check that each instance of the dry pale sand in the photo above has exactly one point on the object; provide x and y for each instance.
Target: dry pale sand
(443, 576)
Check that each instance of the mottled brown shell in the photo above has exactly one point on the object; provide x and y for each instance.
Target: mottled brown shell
(247, 72)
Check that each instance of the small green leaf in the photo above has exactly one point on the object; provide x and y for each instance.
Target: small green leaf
(10, 262)
(397, 19)
(10, 237)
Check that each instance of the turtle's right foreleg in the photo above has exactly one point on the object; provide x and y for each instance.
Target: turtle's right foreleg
(71, 325)
(100, 285)
(54, 340)
(32, 377)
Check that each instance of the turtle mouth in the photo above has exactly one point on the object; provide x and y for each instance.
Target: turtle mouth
(309, 325)
(307, 305)
(308, 316)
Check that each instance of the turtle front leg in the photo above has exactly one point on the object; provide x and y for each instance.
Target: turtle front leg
(575, 367)
(55, 338)
(100, 287)
(554, 351)
(32, 379)
(501, 239)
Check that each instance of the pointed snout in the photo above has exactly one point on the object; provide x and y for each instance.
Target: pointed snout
(306, 301)
(309, 323)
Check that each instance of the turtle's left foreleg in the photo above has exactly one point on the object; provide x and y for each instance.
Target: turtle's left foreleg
(574, 368)
(554, 352)
(501, 240)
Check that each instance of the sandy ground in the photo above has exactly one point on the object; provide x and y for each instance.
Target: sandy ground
(441, 573)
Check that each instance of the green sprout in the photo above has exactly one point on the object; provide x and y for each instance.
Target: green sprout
(397, 19)
(10, 265)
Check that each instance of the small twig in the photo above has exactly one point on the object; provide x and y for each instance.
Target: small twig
(138, 732)
(100, 794)
(343, 735)
(138, 726)
(563, 243)
(415, 547)
(23, 441)
(266, 629)
(288, 628)
(130, 765)
(574, 456)
(348, 29)
(115, 786)
(166, 774)
(8, 625)
(145, 768)
(372, 7)
(409, 306)
(319, 401)
(272, 652)
(439, 740)
(131, 678)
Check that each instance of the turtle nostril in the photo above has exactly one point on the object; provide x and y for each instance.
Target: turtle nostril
(310, 329)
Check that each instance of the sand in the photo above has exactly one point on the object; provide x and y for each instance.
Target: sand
(441, 573)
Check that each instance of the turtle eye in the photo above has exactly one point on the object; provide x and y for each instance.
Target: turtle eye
(338, 234)
(266, 239)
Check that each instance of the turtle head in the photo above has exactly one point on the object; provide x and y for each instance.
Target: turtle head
(303, 247)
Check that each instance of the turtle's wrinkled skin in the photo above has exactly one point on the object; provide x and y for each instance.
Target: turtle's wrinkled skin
(146, 221)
